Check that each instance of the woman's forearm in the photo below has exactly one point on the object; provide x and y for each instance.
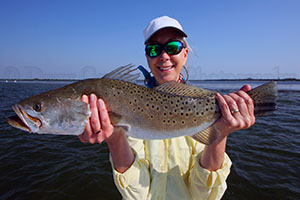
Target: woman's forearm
(213, 155)
(121, 153)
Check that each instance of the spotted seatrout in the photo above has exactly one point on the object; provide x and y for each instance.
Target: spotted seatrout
(169, 110)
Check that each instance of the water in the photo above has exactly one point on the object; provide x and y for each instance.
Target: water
(266, 157)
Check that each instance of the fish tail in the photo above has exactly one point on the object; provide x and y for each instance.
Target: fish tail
(264, 98)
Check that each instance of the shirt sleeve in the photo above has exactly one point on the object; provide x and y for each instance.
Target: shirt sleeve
(134, 183)
(205, 184)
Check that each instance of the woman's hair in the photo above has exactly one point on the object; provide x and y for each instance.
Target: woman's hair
(186, 44)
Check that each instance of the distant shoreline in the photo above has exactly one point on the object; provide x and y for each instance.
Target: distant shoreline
(73, 80)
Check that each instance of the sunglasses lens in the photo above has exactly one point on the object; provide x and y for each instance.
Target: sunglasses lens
(174, 47)
(153, 50)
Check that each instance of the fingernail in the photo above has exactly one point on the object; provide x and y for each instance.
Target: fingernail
(100, 102)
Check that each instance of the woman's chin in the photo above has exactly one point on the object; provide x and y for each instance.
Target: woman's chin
(167, 79)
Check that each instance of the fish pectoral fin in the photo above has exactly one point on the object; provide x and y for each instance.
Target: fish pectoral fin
(115, 118)
(173, 87)
(125, 127)
(207, 136)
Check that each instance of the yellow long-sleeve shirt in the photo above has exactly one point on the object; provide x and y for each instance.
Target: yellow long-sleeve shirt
(169, 169)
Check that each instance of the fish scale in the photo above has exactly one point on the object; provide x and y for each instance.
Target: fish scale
(169, 110)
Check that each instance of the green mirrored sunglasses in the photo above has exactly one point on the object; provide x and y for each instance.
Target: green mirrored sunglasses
(171, 48)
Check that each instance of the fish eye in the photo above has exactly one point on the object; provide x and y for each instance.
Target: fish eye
(37, 107)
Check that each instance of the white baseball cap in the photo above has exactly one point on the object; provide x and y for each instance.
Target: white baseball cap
(160, 23)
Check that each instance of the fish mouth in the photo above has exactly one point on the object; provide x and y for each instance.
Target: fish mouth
(23, 120)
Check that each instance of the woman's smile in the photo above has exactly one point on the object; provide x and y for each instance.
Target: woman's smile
(166, 68)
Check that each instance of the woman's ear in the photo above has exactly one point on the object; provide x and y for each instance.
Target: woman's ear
(186, 52)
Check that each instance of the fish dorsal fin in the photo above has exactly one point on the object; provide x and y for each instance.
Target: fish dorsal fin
(124, 73)
(181, 89)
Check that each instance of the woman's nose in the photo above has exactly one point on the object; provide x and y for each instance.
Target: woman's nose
(164, 55)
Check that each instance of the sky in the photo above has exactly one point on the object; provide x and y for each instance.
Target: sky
(87, 39)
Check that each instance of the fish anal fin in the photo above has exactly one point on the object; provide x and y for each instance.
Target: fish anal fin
(180, 89)
(207, 136)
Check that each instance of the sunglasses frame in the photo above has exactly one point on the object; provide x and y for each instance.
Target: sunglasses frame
(164, 47)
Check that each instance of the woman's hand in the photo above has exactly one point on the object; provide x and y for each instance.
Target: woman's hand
(237, 111)
(99, 127)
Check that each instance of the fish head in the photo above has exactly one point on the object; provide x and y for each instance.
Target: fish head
(51, 114)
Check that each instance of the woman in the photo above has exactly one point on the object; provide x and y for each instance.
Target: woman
(177, 168)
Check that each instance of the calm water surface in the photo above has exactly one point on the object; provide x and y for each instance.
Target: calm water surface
(266, 157)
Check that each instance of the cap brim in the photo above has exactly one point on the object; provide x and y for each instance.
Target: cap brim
(183, 34)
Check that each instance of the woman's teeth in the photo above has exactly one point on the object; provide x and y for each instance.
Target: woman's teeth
(165, 68)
